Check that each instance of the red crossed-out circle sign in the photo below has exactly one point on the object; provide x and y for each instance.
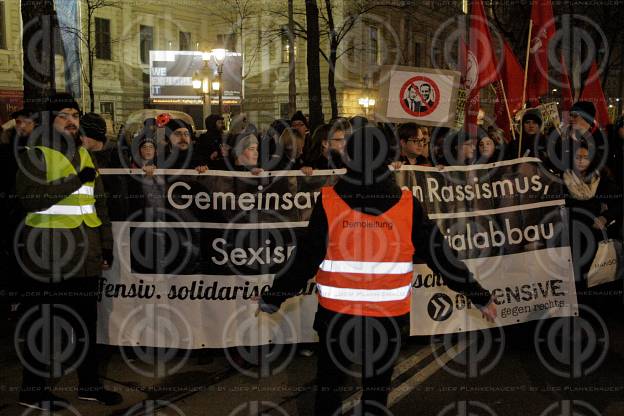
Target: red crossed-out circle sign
(419, 96)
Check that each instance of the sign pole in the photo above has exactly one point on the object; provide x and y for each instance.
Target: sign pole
(526, 70)
(511, 127)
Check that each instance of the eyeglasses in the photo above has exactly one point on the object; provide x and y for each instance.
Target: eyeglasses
(67, 116)
(182, 134)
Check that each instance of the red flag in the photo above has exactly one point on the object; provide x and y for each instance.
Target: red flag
(481, 51)
(593, 92)
(566, 89)
(543, 31)
(512, 76)
(481, 66)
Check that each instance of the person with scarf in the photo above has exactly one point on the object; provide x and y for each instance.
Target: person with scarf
(593, 206)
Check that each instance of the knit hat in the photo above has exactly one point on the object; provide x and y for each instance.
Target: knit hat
(298, 116)
(533, 114)
(174, 124)
(585, 109)
(60, 101)
(210, 123)
(94, 126)
(24, 112)
(243, 142)
(147, 140)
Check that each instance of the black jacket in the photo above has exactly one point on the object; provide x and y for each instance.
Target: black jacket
(430, 245)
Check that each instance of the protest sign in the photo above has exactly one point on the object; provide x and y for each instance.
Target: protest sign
(423, 95)
(193, 250)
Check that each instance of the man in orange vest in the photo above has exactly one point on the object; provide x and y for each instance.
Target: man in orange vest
(361, 240)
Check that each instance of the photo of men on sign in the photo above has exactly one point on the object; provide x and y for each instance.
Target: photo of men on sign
(419, 98)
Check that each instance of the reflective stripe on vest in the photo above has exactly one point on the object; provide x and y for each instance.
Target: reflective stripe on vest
(84, 190)
(367, 270)
(363, 295)
(368, 267)
(76, 208)
(68, 210)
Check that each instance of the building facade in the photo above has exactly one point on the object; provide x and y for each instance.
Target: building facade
(123, 33)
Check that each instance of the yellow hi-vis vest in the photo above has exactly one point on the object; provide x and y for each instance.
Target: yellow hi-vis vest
(76, 208)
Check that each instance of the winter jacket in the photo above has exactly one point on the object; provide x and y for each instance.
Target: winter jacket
(430, 245)
(83, 256)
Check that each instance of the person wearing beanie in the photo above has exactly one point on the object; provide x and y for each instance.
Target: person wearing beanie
(146, 151)
(366, 204)
(180, 152)
(299, 122)
(582, 129)
(583, 114)
(93, 132)
(64, 199)
(243, 156)
(93, 136)
(533, 139)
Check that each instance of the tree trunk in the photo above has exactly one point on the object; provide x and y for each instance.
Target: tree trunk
(314, 66)
(331, 80)
(292, 75)
(90, 83)
(331, 73)
(91, 53)
(38, 58)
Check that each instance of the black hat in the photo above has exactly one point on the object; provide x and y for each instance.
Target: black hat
(585, 109)
(93, 126)
(60, 101)
(210, 122)
(174, 124)
(298, 116)
(24, 112)
(147, 139)
(533, 114)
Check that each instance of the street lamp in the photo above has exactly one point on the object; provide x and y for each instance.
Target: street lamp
(201, 84)
(366, 103)
(219, 57)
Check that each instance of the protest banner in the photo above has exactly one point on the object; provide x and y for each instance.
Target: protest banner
(193, 250)
(423, 95)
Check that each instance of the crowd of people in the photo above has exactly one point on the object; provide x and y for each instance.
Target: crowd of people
(586, 158)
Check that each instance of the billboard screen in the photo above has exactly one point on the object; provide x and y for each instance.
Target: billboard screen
(171, 76)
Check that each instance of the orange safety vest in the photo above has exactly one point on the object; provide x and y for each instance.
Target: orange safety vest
(368, 267)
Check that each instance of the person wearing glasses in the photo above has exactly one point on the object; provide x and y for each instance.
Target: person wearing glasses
(67, 218)
(328, 144)
(179, 153)
(414, 144)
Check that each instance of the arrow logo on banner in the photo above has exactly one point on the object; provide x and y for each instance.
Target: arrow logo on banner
(440, 307)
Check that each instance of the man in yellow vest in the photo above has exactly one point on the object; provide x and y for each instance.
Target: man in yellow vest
(64, 245)
(361, 240)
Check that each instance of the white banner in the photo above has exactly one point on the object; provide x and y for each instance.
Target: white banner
(191, 251)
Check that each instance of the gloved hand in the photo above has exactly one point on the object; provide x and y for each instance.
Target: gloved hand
(87, 175)
(107, 257)
(263, 306)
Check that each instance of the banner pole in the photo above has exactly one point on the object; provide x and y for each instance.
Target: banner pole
(511, 126)
(526, 73)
